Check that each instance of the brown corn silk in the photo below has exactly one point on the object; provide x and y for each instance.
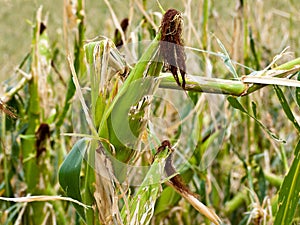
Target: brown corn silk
(170, 171)
(171, 45)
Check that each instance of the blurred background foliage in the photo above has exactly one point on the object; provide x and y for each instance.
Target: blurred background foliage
(274, 22)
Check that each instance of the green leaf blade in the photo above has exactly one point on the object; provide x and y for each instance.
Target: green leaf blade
(285, 106)
(289, 192)
(237, 105)
(69, 173)
(227, 61)
(297, 92)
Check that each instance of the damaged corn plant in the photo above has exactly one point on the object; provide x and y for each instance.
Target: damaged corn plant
(117, 122)
(138, 139)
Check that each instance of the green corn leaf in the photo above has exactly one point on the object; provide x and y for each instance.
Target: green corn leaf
(237, 105)
(297, 92)
(227, 61)
(286, 108)
(126, 128)
(139, 83)
(138, 72)
(113, 119)
(69, 173)
(289, 192)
